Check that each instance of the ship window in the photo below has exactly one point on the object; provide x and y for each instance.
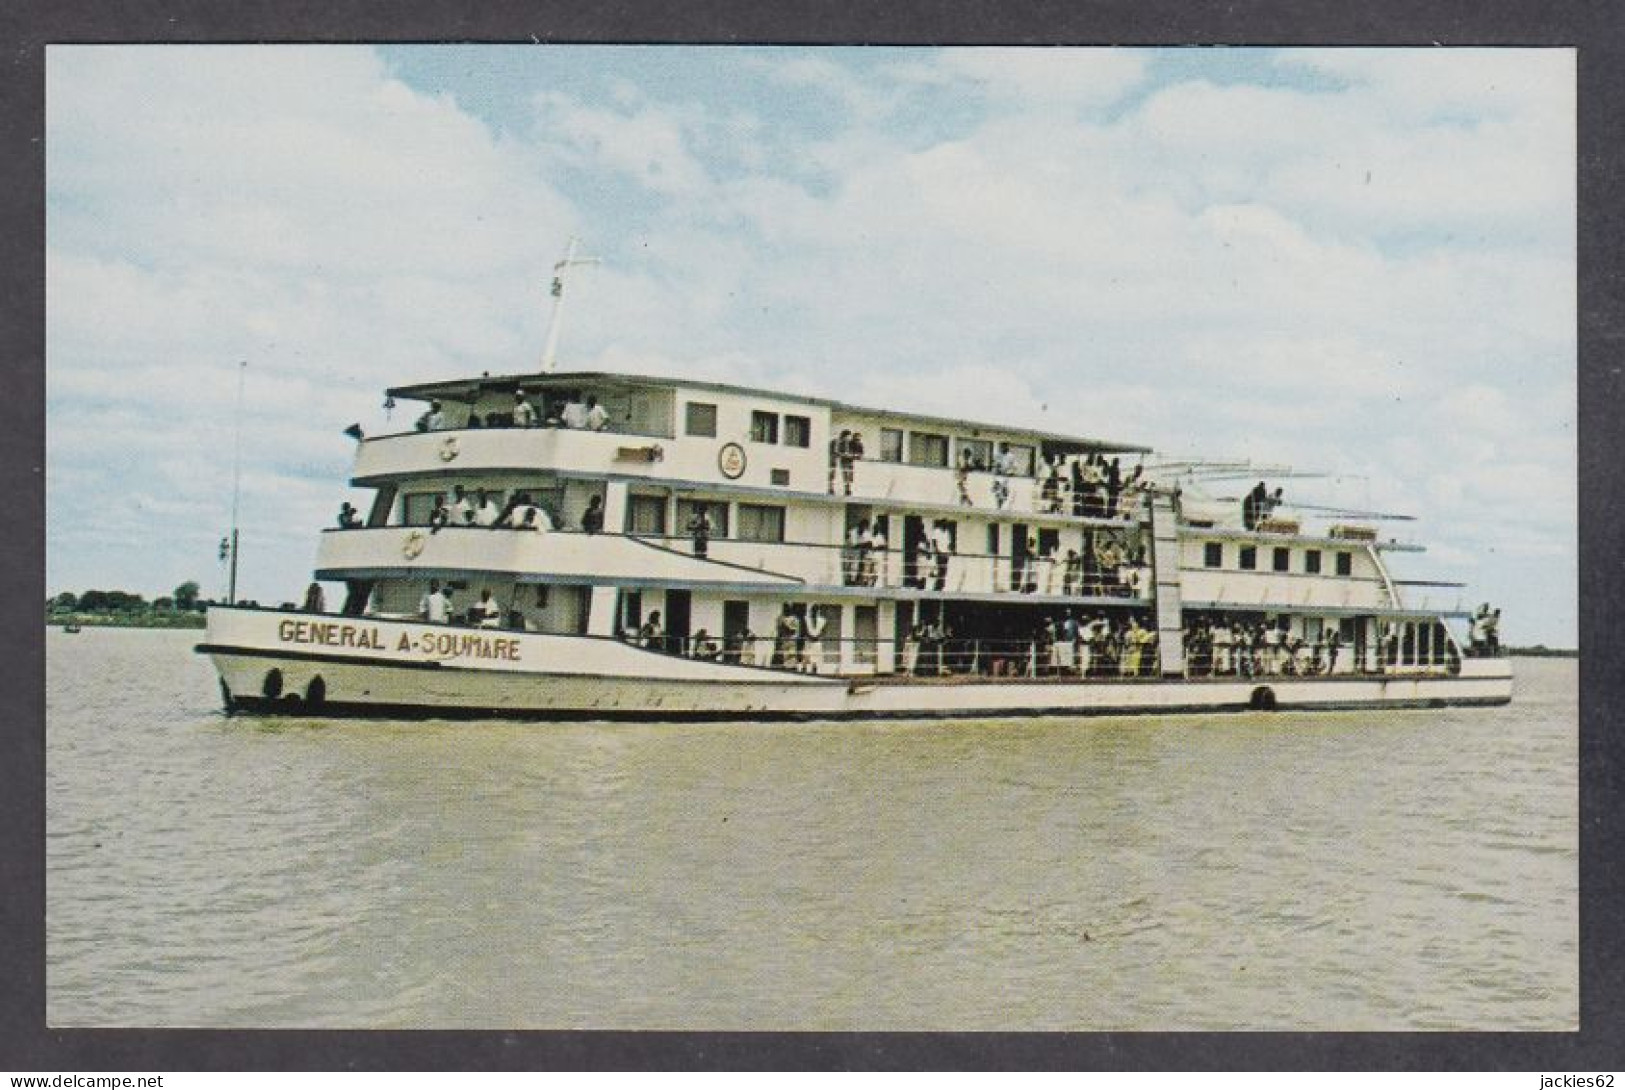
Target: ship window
(797, 431)
(891, 445)
(702, 419)
(1345, 563)
(1311, 561)
(1247, 559)
(981, 452)
(646, 515)
(1213, 554)
(718, 513)
(760, 522)
(419, 506)
(925, 449)
(1024, 459)
(764, 427)
(1282, 559)
(780, 476)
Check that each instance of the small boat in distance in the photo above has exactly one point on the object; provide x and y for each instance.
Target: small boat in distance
(601, 545)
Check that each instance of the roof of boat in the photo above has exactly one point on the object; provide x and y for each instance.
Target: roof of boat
(465, 389)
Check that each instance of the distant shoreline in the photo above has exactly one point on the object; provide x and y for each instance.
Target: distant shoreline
(93, 620)
(1541, 651)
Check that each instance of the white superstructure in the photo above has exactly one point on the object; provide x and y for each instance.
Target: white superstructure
(951, 568)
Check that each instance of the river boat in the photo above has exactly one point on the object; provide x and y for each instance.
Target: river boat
(597, 545)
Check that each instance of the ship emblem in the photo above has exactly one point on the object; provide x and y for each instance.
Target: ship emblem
(448, 448)
(731, 460)
(412, 546)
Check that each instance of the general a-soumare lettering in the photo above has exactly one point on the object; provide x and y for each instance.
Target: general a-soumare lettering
(439, 645)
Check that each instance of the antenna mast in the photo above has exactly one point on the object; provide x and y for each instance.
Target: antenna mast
(550, 353)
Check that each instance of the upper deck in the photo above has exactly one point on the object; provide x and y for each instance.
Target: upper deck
(709, 434)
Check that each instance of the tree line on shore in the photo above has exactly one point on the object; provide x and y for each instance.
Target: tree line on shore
(183, 608)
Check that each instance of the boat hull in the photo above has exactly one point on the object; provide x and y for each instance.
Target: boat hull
(273, 662)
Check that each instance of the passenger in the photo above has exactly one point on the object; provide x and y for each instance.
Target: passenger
(1079, 492)
(699, 528)
(651, 635)
(433, 419)
(853, 455)
(1334, 648)
(705, 648)
(837, 455)
(461, 510)
(808, 651)
(962, 476)
(1492, 633)
(747, 647)
(925, 563)
(1049, 491)
(474, 420)
(786, 634)
(1094, 481)
(315, 600)
(1220, 638)
(597, 418)
(487, 514)
(555, 414)
(1004, 467)
(857, 543)
(527, 516)
(942, 547)
(524, 413)
(592, 519)
(874, 557)
(436, 605)
(574, 415)
(1066, 645)
(911, 648)
(1071, 574)
(349, 519)
(1114, 486)
(485, 613)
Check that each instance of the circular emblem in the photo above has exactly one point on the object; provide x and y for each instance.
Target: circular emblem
(448, 448)
(731, 460)
(412, 546)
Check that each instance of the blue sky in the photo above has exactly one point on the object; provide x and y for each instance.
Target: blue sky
(1359, 262)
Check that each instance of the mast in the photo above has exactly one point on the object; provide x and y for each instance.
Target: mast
(550, 353)
(236, 481)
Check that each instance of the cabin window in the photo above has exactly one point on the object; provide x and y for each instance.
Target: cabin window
(1247, 558)
(1345, 563)
(717, 512)
(780, 477)
(1282, 559)
(646, 515)
(761, 522)
(1213, 554)
(981, 452)
(925, 449)
(1311, 561)
(418, 507)
(764, 427)
(797, 431)
(1023, 456)
(891, 445)
(702, 419)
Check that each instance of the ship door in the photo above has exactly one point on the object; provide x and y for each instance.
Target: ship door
(913, 534)
(679, 607)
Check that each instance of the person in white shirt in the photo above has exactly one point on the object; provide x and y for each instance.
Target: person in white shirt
(575, 414)
(488, 513)
(524, 413)
(485, 613)
(875, 558)
(1272, 650)
(1004, 467)
(942, 546)
(596, 417)
(434, 419)
(460, 512)
(527, 516)
(435, 606)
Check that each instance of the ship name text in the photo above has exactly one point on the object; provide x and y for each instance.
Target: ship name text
(441, 645)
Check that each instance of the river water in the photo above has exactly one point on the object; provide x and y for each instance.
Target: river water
(1415, 870)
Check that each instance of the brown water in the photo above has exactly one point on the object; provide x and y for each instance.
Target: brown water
(1414, 870)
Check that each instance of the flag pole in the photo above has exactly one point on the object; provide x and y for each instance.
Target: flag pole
(236, 481)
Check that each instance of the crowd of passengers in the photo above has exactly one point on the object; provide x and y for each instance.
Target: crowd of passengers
(1087, 486)
(795, 643)
(1105, 567)
(572, 412)
(481, 511)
